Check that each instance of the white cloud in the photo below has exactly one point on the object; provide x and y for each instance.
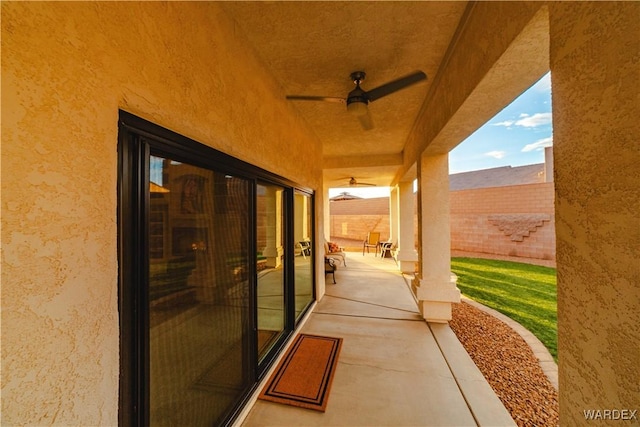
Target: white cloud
(527, 121)
(538, 119)
(506, 123)
(538, 145)
(496, 154)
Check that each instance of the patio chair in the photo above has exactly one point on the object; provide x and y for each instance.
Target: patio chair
(334, 251)
(330, 267)
(385, 249)
(305, 248)
(372, 241)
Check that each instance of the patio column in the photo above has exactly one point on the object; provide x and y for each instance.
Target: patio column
(407, 255)
(273, 249)
(596, 156)
(326, 209)
(394, 211)
(434, 285)
(301, 227)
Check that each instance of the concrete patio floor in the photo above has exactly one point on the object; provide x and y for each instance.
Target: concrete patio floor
(394, 369)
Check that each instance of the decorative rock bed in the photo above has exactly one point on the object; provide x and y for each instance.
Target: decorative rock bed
(508, 364)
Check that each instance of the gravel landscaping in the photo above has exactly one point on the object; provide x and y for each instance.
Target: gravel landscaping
(508, 364)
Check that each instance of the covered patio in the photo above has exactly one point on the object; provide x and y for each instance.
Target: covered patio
(394, 368)
(217, 78)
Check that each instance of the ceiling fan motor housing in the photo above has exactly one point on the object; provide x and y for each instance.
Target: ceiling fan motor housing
(357, 100)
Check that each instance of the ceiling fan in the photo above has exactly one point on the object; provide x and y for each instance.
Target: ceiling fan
(354, 183)
(358, 99)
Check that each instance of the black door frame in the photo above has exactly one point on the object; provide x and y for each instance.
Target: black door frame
(137, 140)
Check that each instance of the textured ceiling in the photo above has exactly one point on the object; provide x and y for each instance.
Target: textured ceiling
(312, 47)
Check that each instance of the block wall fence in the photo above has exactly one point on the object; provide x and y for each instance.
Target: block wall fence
(351, 220)
(356, 227)
(514, 221)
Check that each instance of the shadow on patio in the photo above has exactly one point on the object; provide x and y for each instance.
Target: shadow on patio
(394, 368)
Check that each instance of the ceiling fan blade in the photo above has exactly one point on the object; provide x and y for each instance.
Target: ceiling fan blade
(366, 121)
(316, 98)
(396, 85)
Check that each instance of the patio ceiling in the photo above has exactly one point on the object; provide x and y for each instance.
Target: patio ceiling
(311, 48)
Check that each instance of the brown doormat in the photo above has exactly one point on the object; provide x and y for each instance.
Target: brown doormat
(303, 377)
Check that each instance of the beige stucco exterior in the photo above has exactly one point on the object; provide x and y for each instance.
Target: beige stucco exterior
(68, 67)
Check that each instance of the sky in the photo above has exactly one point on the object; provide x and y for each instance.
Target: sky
(516, 136)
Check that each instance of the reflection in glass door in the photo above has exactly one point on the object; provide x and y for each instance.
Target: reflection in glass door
(303, 265)
(199, 312)
(270, 265)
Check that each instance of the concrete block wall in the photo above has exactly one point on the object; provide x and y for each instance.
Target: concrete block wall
(353, 219)
(357, 226)
(513, 221)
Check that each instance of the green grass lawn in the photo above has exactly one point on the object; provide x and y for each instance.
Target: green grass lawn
(526, 293)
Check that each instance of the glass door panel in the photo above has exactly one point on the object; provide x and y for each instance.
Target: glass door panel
(270, 265)
(198, 293)
(303, 267)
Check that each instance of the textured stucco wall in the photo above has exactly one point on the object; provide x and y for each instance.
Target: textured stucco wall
(66, 69)
(595, 70)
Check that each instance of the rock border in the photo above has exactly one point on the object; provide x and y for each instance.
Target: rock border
(545, 360)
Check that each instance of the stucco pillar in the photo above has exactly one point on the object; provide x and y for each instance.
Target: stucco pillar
(322, 233)
(434, 285)
(326, 216)
(300, 227)
(594, 70)
(548, 164)
(394, 211)
(273, 249)
(407, 256)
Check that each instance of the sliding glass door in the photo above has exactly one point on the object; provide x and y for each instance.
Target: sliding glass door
(199, 313)
(210, 282)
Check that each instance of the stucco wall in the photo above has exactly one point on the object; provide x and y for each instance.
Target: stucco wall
(595, 72)
(66, 70)
(513, 221)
